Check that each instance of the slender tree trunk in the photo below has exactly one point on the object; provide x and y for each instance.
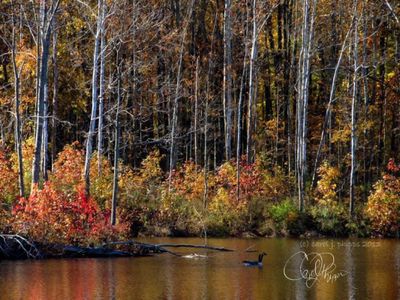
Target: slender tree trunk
(46, 16)
(55, 94)
(205, 153)
(207, 97)
(101, 91)
(353, 113)
(93, 115)
(174, 120)
(250, 108)
(366, 100)
(18, 138)
(116, 150)
(329, 106)
(239, 107)
(227, 80)
(196, 110)
(45, 132)
(302, 101)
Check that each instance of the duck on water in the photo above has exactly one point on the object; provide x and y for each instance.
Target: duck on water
(255, 263)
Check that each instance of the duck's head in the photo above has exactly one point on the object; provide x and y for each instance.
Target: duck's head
(261, 256)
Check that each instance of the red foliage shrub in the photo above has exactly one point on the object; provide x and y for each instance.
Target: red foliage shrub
(68, 168)
(49, 215)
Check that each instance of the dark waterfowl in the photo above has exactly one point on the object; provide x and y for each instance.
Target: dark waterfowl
(255, 263)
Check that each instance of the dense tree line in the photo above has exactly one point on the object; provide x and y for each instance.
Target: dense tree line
(295, 82)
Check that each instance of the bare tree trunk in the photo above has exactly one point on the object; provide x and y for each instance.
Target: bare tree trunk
(207, 97)
(366, 98)
(250, 108)
(239, 107)
(2, 135)
(302, 101)
(45, 132)
(18, 138)
(205, 153)
(353, 113)
(329, 106)
(46, 16)
(55, 93)
(227, 81)
(196, 109)
(101, 92)
(93, 115)
(116, 149)
(177, 91)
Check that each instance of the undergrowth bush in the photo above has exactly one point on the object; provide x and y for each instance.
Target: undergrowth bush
(383, 207)
(329, 215)
(48, 215)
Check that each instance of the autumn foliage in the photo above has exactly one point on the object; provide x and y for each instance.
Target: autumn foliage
(192, 202)
(8, 180)
(383, 207)
(60, 211)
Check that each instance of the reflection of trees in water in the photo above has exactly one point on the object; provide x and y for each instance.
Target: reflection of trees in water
(111, 280)
(350, 269)
(373, 273)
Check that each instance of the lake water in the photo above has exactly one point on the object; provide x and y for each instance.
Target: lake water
(365, 269)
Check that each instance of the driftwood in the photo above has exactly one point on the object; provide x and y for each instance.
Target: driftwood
(195, 246)
(75, 251)
(14, 246)
(161, 248)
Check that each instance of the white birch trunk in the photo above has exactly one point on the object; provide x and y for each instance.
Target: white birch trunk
(93, 115)
(353, 113)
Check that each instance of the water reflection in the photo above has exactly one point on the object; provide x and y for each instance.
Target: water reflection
(373, 273)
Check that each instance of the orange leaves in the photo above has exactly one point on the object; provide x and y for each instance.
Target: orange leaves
(8, 180)
(188, 182)
(383, 207)
(68, 167)
(53, 216)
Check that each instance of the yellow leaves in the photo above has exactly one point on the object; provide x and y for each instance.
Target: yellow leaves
(151, 169)
(383, 206)
(220, 200)
(327, 184)
(390, 75)
(341, 135)
(26, 61)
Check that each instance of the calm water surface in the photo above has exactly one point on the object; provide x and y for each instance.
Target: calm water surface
(365, 269)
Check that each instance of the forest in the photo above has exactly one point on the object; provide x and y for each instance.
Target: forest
(199, 117)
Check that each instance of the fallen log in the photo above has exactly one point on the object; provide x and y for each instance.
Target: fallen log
(75, 251)
(13, 246)
(160, 248)
(195, 246)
